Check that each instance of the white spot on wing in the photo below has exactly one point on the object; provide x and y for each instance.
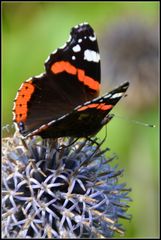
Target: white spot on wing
(28, 80)
(54, 51)
(80, 40)
(63, 46)
(47, 59)
(91, 56)
(86, 103)
(80, 25)
(77, 107)
(107, 96)
(95, 99)
(14, 105)
(70, 37)
(44, 126)
(117, 95)
(40, 75)
(77, 48)
(76, 26)
(92, 38)
(51, 122)
(61, 117)
(73, 57)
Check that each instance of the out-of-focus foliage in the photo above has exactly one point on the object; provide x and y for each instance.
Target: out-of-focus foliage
(31, 31)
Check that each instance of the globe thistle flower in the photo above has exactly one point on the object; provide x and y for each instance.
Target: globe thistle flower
(60, 189)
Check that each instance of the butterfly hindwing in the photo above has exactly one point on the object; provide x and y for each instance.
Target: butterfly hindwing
(87, 119)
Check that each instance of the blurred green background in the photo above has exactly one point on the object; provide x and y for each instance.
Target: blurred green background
(31, 31)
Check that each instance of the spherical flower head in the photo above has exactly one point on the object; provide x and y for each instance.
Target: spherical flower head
(60, 189)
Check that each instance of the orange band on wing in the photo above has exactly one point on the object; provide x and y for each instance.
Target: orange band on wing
(62, 66)
(101, 106)
(105, 107)
(23, 97)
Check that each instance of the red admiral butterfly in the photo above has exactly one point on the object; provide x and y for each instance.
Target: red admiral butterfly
(62, 101)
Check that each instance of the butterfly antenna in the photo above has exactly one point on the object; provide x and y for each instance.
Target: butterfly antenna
(135, 121)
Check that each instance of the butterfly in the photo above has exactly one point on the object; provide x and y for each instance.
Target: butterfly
(64, 100)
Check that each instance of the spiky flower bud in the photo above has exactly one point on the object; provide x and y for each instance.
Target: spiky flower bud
(60, 189)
